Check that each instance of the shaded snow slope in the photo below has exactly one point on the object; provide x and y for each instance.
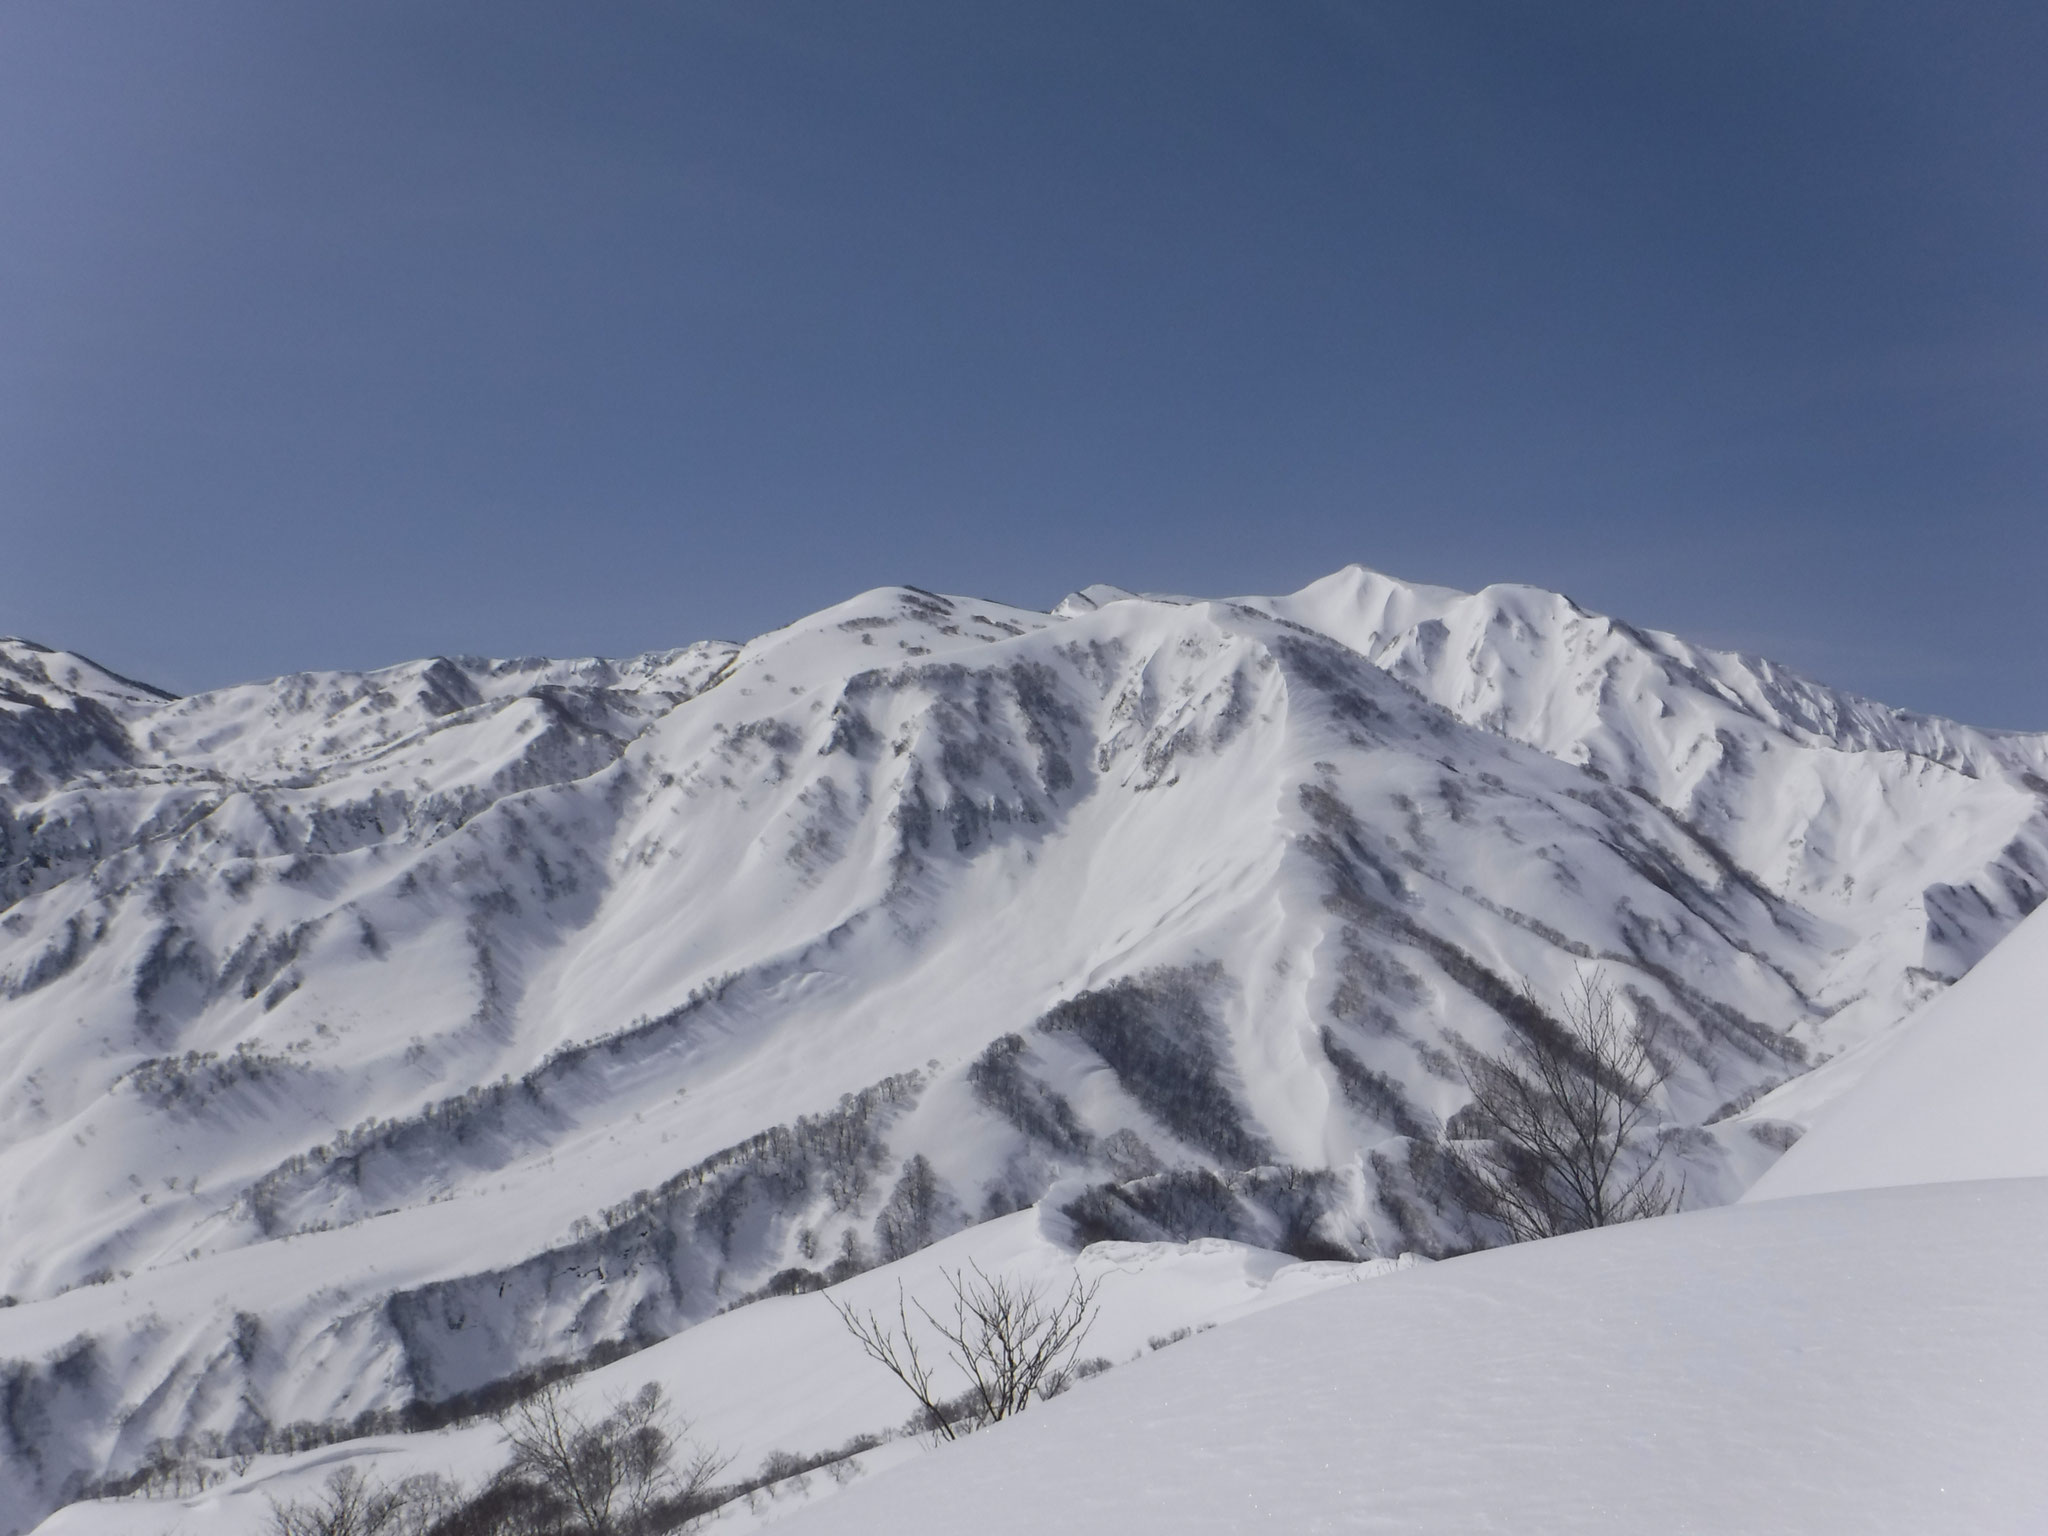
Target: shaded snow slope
(1959, 1093)
(367, 1040)
(1867, 1362)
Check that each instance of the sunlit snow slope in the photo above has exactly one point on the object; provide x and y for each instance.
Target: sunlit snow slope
(1961, 1092)
(1868, 1362)
(369, 1039)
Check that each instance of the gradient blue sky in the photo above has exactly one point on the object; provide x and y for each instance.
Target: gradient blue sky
(336, 334)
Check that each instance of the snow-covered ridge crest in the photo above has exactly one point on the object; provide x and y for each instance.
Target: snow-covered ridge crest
(1858, 803)
(368, 1039)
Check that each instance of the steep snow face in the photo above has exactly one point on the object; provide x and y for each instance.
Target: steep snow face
(1955, 1094)
(1864, 1362)
(369, 1039)
(1893, 823)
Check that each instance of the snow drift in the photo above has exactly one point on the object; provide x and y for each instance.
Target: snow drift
(1865, 1362)
(1958, 1093)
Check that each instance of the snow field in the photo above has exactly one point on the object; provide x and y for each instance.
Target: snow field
(1957, 1093)
(1871, 1361)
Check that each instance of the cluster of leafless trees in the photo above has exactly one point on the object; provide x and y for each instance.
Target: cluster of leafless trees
(1558, 1137)
(351, 1505)
(621, 1475)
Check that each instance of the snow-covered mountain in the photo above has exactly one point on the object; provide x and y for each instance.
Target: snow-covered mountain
(368, 1040)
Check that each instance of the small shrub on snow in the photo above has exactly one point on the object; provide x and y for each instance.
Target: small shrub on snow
(1010, 1343)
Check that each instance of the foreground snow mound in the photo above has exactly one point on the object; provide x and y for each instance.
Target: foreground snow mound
(1868, 1362)
(1957, 1094)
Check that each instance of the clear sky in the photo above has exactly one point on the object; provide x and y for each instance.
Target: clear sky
(333, 334)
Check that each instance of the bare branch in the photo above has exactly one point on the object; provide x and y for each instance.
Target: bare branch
(1561, 1118)
(1007, 1342)
(899, 1356)
(612, 1474)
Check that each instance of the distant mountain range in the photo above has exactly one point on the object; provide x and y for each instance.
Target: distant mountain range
(369, 1041)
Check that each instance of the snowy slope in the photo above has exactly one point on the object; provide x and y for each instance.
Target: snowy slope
(1866, 1362)
(1839, 803)
(1957, 1094)
(369, 1039)
(783, 1375)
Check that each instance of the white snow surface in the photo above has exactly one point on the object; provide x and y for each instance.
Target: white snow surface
(1869, 1362)
(367, 1039)
(784, 1375)
(1957, 1093)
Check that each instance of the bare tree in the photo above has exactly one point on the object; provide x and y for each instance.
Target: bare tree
(1561, 1121)
(351, 1505)
(615, 1475)
(901, 1357)
(1007, 1341)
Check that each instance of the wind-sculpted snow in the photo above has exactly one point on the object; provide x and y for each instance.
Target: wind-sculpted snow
(1869, 1361)
(369, 1042)
(1953, 1095)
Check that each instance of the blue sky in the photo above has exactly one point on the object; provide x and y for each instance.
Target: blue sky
(332, 335)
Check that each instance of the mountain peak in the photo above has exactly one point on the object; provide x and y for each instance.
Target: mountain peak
(45, 670)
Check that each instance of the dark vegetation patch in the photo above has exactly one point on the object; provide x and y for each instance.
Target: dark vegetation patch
(1429, 1198)
(1366, 978)
(261, 959)
(1339, 675)
(1376, 1094)
(919, 1211)
(171, 980)
(189, 1082)
(1746, 1036)
(1003, 1083)
(1743, 1100)
(1779, 1135)
(57, 959)
(481, 1128)
(1155, 1033)
(668, 1256)
(1272, 1207)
